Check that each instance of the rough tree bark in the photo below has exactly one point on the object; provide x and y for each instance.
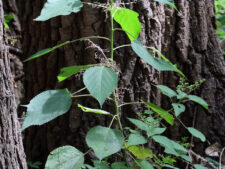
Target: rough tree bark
(12, 154)
(187, 38)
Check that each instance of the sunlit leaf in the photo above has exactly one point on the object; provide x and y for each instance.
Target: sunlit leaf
(163, 113)
(140, 152)
(66, 72)
(96, 111)
(128, 20)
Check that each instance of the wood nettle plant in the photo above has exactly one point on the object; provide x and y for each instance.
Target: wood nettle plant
(101, 81)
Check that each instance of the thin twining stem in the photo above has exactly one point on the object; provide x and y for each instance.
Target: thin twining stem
(129, 103)
(83, 95)
(79, 91)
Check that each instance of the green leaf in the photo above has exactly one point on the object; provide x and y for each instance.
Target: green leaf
(100, 82)
(140, 124)
(136, 139)
(104, 141)
(128, 20)
(155, 131)
(167, 60)
(53, 8)
(8, 18)
(166, 91)
(171, 147)
(181, 95)
(66, 72)
(65, 157)
(140, 152)
(168, 2)
(196, 133)
(178, 108)
(142, 52)
(97, 111)
(198, 100)
(146, 165)
(47, 106)
(169, 166)
(120, 165)
(100, 164)
(197, 166)
(45, 51)
(163, 113)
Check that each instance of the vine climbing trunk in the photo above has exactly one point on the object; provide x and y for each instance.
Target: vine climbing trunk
(12, 154)
(186, 37)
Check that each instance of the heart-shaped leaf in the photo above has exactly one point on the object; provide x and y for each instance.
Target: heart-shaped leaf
(47, 106)
(65, 157)
(53, 8)
(128, 20)
(104, 141)
(100, 82)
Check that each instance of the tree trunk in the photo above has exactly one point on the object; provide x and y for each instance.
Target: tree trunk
(186, 37)
(11, 147)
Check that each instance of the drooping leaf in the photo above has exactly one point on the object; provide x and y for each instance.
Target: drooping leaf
(53, 8)
(136, 139)
(178, 108)
(140, 152)
(47, 106)
(167, 60)
(45, 51)
(128, 20)
(198, 100)
(167, 91)
(96, 111)
(196, 133)
(146, 165)
(181, 95)
(171, 147)
(140, 124)
(168, 2)
(104, 141)
(100, 82)
(65, 157)
(142, 52)
(163, 113)
(66, 72)
(198, 166)
(155, 131)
